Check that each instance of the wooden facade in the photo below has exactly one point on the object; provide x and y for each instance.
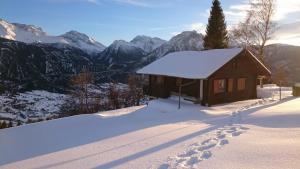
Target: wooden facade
(234, 81)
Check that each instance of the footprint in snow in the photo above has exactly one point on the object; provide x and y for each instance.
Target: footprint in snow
(223, 142)
(206, 155)
(193, 160)
(202, 151)
(189, 153)
(237, 133)
(221, 136)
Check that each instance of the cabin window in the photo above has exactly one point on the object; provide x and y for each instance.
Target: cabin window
(241, 84)
(230, 85)
(219, 86)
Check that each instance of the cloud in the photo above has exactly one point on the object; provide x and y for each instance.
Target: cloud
(285, 8)
(288, 34)
(96, 2)
(144, 3)
(134, 2)
(199, 27)
(236, 13)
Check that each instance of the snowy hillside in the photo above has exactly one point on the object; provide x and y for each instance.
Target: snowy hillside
(262, 133)
(34, 106)
(286, 57)
(146, 43)
(33, 34)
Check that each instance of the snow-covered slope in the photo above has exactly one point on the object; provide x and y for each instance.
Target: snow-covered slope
(34, 105)
(249, 134)
(83, 41)
(33, 34)
(26, 33)
(286, 57)
(146, 43)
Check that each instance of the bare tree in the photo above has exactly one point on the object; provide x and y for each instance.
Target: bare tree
(258, 27)
(113, 96)
(81, 82)
(242, 34)
(279, 76)
(135, 90)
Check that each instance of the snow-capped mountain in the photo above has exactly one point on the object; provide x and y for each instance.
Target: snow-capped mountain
(33, 34)
(121, 55)
(83, 41)
(148, 44)
(185, 41)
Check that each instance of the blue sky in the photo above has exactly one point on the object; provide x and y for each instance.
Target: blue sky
(109, 20)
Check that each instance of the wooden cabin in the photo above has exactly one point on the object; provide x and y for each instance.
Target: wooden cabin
(207, 77)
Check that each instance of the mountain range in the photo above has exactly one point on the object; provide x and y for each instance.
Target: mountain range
(30, 58)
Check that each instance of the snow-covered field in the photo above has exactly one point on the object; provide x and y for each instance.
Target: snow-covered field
(35, 105)
(262, 133)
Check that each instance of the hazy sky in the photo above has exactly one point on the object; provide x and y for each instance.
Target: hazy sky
(109, 20)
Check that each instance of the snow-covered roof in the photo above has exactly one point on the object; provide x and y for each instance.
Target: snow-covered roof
(191, 64)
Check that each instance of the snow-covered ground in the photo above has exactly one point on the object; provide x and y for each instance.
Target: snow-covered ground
(39, 105)
(34, 105)
(261, 133)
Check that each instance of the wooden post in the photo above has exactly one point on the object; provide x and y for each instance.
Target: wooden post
(201, 91)
(179, 103)
(279, 90)
(179, 83)
(261, 84)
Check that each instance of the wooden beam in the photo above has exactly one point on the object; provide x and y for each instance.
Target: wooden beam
(179, 99)
(201, 91)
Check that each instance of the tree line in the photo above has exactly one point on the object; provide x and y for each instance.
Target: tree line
(85, 101)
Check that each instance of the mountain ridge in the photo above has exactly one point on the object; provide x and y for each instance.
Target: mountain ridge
(34, 34)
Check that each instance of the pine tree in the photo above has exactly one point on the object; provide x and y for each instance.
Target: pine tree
(216, 34)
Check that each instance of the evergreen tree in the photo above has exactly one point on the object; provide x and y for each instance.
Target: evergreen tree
(216, 34)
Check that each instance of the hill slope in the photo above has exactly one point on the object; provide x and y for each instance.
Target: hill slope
(285, 56)
(161, 136)
(39, 66)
